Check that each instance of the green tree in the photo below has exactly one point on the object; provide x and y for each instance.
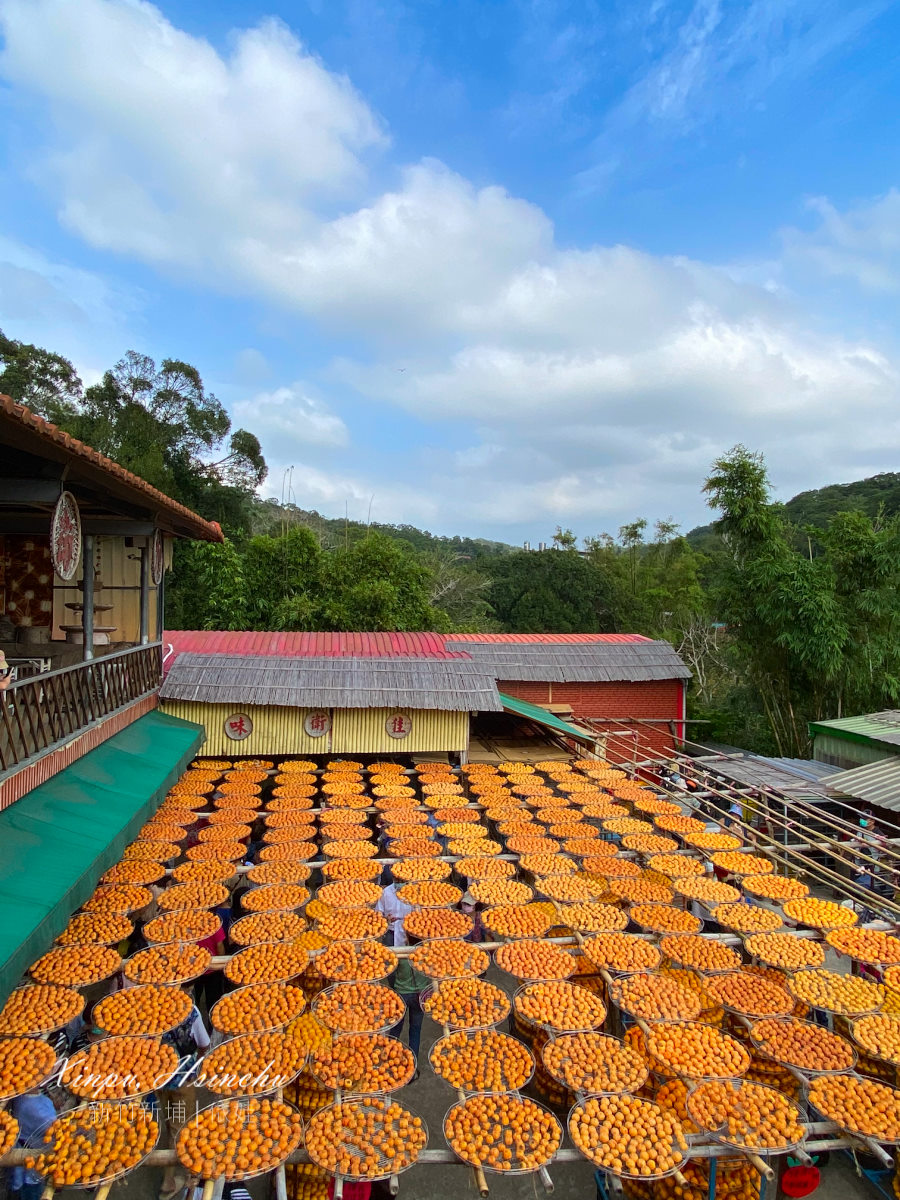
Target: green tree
(654, 588)
(564, 539)
(459, 589)
(632, 538)
(164, 425)
(376, 584)
(45, 382)
(549, 592)
(282, 578)
(212, 590)
(813, 628)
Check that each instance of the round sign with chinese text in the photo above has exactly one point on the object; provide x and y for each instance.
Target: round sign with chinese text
(399, 725)
(238, 727)
(157, 557)
(317, 723)
(65, 537)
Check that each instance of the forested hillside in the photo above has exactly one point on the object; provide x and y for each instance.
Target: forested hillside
(794, 614)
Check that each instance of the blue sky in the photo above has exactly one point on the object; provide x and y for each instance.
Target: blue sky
(488, 267)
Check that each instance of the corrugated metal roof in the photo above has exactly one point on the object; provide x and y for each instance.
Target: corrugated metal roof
(877, 727)
(755, 771)
(550, 657)
(585, 662)
(452, 685)
(806, 768)
(308, 645)
(535, 713)
(875, 783)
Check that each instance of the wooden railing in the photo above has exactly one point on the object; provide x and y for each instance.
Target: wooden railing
(42, 712)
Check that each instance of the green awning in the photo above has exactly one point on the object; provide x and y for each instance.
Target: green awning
(58, 839)
(535, 713)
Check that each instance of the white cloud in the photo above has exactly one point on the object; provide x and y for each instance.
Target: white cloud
(601, 382)
(290, 419)
(417, 256)
(165, 150)
(861, 244)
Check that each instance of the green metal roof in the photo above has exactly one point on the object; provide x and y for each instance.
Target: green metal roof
(535, 713)
(58, 839)
(881, 727)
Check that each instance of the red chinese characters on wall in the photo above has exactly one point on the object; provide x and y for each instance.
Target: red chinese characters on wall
(317, 723)
(399, 725)
(26, 580)
(238, 727)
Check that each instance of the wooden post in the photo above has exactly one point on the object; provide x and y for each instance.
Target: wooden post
(145, 596)
(87, 597)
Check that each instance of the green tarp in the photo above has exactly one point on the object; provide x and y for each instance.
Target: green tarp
(56, 841)
(535, 713)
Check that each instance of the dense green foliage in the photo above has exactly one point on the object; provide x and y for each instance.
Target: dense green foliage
(879, 493)
(289, 582)
(783, 613)
(813, 614)
(552, 591)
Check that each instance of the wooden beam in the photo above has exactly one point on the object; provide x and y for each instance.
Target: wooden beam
(29, 491)
(37, 525)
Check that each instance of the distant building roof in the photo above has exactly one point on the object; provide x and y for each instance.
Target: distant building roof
(550, 657)
(549, 639)
(875, 783)
(790, 776)
(309, 645)
(806, 768)
(25, 433)
(872, 727)
(534, 712)
(451, 685)
(575, 662)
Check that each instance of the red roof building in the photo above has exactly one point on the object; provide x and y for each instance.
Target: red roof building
(629, 688)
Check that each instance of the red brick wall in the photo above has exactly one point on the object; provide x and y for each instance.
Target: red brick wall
(653, 698)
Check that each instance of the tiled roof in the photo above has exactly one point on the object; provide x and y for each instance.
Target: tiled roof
(17, 415)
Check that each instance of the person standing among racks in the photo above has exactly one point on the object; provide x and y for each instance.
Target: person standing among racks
(406, 981)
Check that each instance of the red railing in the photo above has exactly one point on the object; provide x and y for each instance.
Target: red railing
(41, 713)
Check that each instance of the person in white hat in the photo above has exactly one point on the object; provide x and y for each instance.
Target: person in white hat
(6, 673)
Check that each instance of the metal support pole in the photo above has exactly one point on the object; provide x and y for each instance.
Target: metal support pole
(87, 597)
(161, 607)
(145, 596)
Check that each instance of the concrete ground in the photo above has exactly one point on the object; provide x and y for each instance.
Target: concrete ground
(431, 1098)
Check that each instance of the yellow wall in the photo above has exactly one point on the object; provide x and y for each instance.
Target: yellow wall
(278, 731)
(119, 568)
(362, 731)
